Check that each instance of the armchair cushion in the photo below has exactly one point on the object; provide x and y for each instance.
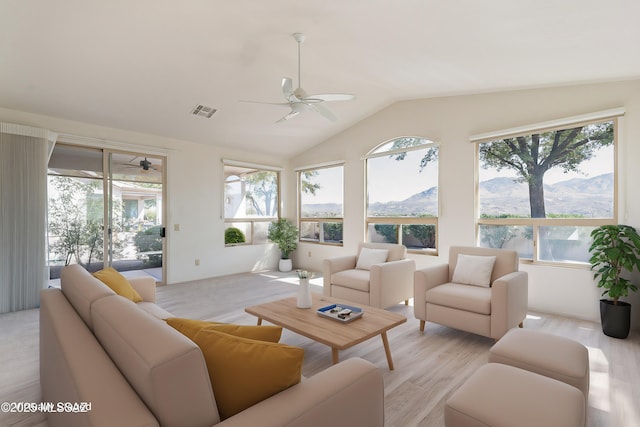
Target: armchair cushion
(474, 270)
(369, 257)
(354, 279)
(475, 299)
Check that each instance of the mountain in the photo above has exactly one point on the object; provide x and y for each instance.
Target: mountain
(322, 210)
(589, 197)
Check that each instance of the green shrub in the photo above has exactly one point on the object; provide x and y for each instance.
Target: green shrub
(149, 240)
(233, 235)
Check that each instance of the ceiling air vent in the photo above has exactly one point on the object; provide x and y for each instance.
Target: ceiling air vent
(203, 111)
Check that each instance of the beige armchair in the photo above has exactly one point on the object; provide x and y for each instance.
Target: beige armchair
(379, 276)
(472, 294)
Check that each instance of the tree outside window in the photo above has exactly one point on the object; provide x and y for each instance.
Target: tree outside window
(251, 198)
(75, 221)
(542, 193)
(402, 193)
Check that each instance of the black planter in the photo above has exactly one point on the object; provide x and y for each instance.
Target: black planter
(615, 318)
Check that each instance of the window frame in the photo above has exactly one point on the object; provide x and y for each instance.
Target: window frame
(536, 224)
(251, 222)
(320, 220)
(402, 221)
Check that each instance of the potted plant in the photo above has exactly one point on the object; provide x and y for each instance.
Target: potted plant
(615, 249)
(283, 233)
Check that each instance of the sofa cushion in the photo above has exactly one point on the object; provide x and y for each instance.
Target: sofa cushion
(354, 279)
(190, 327)
(82, 290)
(118, 283)
(165, 368)
(244, 372)
(473, 270)
(154, 309)
(368, 257)
(475, 299)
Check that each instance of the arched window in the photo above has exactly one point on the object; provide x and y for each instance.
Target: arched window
(402, 193)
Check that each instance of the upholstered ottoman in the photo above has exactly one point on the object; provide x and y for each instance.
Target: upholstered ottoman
(499, 395)
(550, 355)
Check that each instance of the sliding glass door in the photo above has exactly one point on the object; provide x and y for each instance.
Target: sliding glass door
(105, 209)
(136, 221)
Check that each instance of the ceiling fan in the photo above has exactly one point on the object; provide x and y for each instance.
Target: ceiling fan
(143, 165)
(299, 101)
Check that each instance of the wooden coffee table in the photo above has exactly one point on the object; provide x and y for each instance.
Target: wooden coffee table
(338, 336)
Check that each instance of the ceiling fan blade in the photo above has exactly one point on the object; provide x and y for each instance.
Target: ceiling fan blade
(333, 96)
(324, 111)
(287, 89)
(288, 116)
(286, 104)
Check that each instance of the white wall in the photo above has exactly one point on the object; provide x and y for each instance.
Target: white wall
(451, 121)
(194, 197)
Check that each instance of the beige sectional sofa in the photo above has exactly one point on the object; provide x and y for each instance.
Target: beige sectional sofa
(133, 369)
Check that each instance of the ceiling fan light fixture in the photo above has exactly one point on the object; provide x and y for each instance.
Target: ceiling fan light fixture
(145, 164)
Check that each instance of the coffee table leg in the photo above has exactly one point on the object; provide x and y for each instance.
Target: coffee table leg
(334, 355)
(387, 350)
(259, 321)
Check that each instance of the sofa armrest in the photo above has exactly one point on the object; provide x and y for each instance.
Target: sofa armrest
(351, 391)
(423, 280)
(391, 282)
(333, 265)
(145, 286)
(509, 302)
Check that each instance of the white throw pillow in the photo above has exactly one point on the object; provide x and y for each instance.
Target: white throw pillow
(369, 256)
(474, 270)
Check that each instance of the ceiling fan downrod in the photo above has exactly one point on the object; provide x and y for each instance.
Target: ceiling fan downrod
(300, 38)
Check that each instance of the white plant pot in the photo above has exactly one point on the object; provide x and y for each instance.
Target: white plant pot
(285, 265)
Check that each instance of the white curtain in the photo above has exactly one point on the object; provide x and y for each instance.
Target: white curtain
(23, 215)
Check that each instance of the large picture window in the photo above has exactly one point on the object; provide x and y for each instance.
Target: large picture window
(320, 192)
(542, 192)
(251, 202)
(402, 193)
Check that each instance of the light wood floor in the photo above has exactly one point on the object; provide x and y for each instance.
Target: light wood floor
(428, 367)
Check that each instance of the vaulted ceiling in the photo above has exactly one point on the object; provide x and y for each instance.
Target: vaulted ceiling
(143, 65)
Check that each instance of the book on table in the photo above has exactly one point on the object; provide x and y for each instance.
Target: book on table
(341, 312)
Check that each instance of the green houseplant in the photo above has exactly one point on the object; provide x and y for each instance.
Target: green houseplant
(284, 234)
(614, 250)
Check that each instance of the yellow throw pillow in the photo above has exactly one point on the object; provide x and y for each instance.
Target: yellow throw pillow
(190, 327)
(244, 372)
(118, 283)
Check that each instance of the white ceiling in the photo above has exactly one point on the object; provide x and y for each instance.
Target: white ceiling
(142, 65)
